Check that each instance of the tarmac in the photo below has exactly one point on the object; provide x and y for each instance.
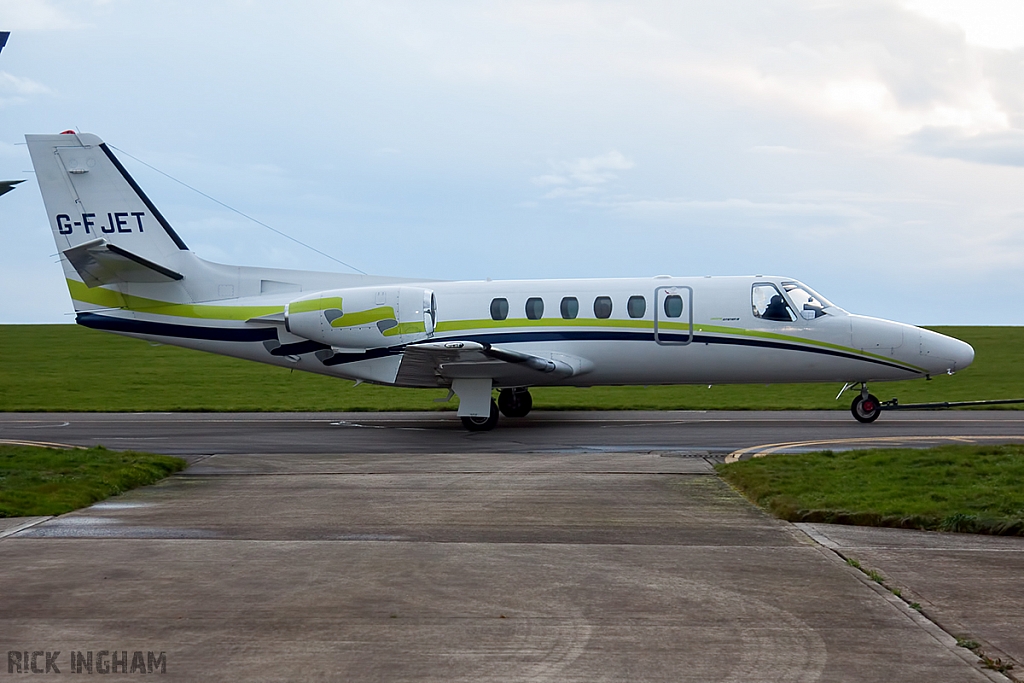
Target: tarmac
(398, 548)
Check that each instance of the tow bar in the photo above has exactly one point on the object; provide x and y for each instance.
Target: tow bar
(894, 404)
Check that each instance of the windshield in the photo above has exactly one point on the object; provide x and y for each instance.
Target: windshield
(809, 303)
(768, 304)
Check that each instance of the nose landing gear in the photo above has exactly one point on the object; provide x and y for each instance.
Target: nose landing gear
(866, 407)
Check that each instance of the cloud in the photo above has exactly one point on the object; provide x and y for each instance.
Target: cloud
(778, 149)
(581, 177)
(991, 23)
(32, 15)
(17, 90)
(1004, 147)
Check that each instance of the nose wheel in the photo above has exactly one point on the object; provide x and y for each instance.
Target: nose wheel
(866, 407)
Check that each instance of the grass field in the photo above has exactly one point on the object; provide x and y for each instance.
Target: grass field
(950, 488)
(66, 367)
(45, 481)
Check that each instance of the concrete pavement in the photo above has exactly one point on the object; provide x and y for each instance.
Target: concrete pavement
(473, 566)
(968, 584)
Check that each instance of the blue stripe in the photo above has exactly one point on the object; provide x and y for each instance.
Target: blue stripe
(298, 348)
(112, 324)
(259, 334)
(342, 358)
(594, 335)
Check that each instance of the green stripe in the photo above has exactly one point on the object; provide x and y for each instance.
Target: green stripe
(99, 296)
(365, 317)
(485, 324)
(800, 340)
(312, 305)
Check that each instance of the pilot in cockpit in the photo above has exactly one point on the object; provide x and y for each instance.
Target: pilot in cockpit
(777, 310)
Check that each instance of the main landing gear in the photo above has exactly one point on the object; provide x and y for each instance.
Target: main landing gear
(515, 402)
(482, 424)
(511, 403)
(866, 407)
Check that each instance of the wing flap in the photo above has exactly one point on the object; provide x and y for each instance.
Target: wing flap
(434, 364)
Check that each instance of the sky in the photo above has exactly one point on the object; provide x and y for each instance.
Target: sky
(872, 149)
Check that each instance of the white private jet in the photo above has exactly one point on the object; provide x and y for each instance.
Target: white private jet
(129, 272)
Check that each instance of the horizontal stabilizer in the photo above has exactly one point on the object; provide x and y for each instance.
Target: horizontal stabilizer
(100, 263)
(8, 185)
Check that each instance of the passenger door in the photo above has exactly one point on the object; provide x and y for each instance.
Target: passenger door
(673, 315)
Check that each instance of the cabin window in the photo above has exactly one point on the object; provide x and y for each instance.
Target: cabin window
(570, 307)
(673, 306)
(603, 307)
(769, 304)
(534, 308)
(636, 306)
(499, 309)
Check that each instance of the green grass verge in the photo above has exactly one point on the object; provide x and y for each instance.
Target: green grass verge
(964, 488)
(66, 367)
(45, 481)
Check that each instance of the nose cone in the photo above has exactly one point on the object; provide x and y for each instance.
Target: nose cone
(940, 353)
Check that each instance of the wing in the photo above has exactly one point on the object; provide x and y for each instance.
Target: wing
(438, 363)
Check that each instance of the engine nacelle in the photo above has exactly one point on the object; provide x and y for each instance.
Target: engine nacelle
(361, 318)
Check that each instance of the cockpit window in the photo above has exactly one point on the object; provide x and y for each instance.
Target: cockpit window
(809, 303)
(769, 304)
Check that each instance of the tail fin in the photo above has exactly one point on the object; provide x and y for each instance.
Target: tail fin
(106, 228)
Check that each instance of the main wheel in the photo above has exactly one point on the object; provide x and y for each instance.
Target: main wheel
(515, 402)
(482, 424)
(866, 409)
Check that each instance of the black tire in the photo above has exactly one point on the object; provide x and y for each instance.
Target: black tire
(515, 402)
(482, 424)
(866, 409)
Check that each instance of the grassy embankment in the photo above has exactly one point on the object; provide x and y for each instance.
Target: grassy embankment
(950, 488)
(65, 367)
(45, 481)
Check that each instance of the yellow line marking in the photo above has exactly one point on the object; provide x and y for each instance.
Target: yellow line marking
(770, 448)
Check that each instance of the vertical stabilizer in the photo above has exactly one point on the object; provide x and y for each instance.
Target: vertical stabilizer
(89, 195)
(106, 229)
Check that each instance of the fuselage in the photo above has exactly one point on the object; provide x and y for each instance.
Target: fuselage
(621, 329)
